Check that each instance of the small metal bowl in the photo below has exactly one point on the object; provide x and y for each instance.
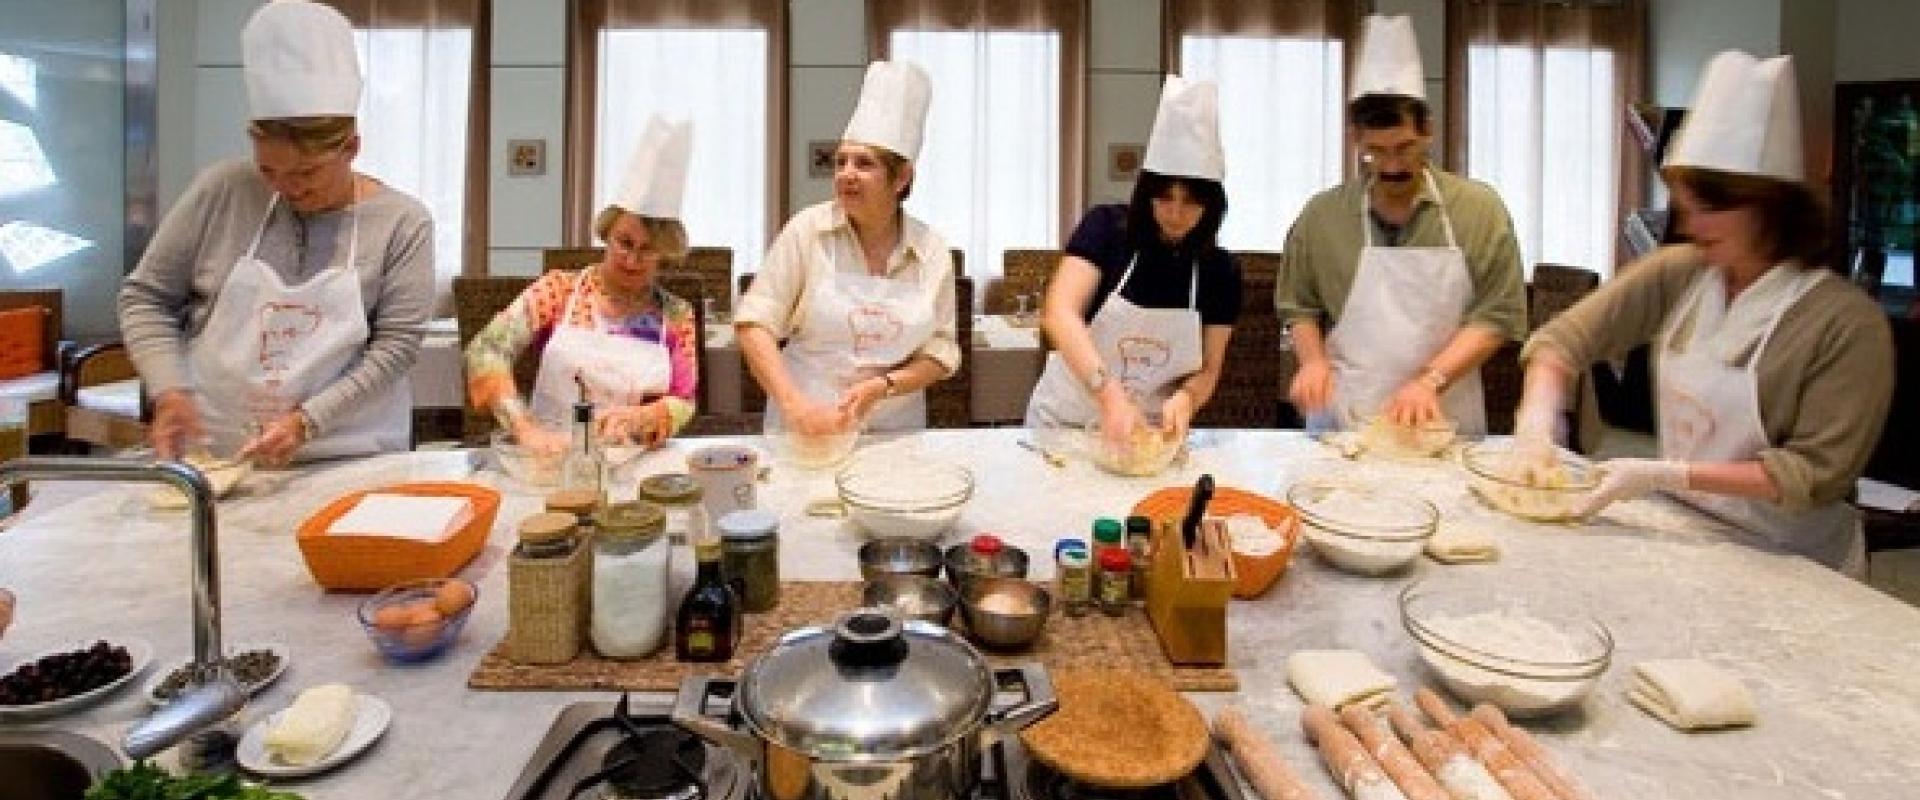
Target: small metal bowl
(899, 557)
(1005, 613)
(918, 597)
(1010, 562)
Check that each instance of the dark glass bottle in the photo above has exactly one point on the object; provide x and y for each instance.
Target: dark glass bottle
(708, 626)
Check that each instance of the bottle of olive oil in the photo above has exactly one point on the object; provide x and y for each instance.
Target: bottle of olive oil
(708, 626)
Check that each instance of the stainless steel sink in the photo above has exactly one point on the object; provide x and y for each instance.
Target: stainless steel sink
(51, 765)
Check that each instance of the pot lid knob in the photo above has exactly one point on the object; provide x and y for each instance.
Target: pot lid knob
(868, 637)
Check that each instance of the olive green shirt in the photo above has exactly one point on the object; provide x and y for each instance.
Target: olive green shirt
(1323, 252)
(1825, 377)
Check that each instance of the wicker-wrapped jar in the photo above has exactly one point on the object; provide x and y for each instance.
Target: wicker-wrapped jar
(548, 580)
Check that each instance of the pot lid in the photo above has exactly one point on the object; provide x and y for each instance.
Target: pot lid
(868, 688)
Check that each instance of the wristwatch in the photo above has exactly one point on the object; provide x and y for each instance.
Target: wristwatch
(893, 386)
(1435, 378)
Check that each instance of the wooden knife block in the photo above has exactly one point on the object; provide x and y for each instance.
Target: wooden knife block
(1189, 613)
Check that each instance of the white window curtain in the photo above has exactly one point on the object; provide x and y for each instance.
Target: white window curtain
(716, 77)
(413, 128)
(1280, 122)
(988, 177)
(1543, 130)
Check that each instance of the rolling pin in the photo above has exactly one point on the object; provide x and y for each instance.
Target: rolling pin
(1408, 774)
(1484, 745)
(1349, 763)
(1270, 774)
(1522, 744)
(1464, 777)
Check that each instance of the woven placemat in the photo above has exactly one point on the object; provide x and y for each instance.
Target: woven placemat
(1094, 640)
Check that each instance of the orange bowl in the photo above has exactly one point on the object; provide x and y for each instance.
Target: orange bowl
(366, 563)
(1253, 575)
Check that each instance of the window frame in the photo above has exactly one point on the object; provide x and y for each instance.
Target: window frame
(586, 19)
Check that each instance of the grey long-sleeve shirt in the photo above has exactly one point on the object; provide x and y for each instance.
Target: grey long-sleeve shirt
(167, 299)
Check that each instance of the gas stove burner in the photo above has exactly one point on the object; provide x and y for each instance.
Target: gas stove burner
(1045, 784)
(657, 764)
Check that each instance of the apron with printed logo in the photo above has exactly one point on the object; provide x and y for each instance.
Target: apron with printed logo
(1148, 350)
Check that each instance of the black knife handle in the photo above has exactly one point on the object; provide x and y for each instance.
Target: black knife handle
(1196, 510)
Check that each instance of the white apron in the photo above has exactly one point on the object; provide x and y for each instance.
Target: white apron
(268, 346)
(617, 370)
(1148, 350)
(1709, 411)
(858, 326)
(1405, 305)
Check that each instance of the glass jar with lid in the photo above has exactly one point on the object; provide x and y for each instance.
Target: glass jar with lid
(751, 557)
(679, 497)
(630, 592)
(581, 503)
(546, 535)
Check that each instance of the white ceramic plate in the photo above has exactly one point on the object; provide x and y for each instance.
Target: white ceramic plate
(370, 718)
(139, 650)
(153, 683)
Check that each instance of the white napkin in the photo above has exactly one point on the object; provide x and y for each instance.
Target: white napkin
(1453, 543)
(399, 516)
(1338, 678)
(1690, 694)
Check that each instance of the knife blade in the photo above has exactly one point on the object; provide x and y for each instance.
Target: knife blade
(1196, 510)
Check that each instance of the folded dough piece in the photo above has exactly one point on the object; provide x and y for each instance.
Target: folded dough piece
(1338, 678)
(1458, 544)
(1691, 694)
(313, 726)
(222, 476)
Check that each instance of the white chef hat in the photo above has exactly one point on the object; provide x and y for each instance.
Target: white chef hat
(1389, 59)
(892, 112)
(299, 61)
(1186, 131)
(1745, 119)
(656, 176)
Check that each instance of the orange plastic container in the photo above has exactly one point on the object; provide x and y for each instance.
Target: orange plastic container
(367, 563)
(1253, 575)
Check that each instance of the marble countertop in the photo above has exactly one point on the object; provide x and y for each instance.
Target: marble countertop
(1830, 662)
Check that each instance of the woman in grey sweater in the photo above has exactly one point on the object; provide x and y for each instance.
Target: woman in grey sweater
(281, 303)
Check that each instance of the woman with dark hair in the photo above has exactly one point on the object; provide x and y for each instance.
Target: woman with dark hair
(1773, 378)
(1140, 309)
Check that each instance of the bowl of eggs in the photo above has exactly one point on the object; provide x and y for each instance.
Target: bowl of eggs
(417, 620)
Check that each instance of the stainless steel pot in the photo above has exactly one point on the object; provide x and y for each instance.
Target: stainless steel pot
(868, 708)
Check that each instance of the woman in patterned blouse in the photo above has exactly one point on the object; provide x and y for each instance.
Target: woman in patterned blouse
(608, 329)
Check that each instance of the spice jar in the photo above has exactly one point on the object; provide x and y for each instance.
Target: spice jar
(1107, 534)
(1116, 573)
(630, 593)
(1073, 569)
(750, 556)
(677, 495)
(547, 577)
(1140, 549)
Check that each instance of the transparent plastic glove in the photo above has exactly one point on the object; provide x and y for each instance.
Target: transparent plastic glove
(1631, 478)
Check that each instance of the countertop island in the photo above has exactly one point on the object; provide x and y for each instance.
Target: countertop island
(1831, 662)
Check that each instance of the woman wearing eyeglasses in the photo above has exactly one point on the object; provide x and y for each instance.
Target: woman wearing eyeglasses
(280, 305)
(608, 329)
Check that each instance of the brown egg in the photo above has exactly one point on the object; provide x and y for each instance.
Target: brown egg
(453, 598)
(423, 624)
(422, 612)
(393, 618)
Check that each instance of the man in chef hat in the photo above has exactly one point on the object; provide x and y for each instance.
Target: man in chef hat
(1143, 303)
(1773, 378)
(861, 292)
(1398, 284)
(277, 310)
(608, 328)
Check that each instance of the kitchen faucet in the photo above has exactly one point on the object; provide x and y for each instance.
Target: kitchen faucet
(220, 696)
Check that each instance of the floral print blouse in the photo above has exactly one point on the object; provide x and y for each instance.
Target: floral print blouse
(529, 321)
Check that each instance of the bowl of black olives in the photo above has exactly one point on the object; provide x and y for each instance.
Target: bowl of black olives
(66, 678)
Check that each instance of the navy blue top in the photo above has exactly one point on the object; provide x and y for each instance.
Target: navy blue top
(1162, 277)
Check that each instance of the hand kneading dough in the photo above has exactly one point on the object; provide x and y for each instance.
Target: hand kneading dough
(1452, 543)
(1338, 678)
(1690, 694)
(313, 726)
